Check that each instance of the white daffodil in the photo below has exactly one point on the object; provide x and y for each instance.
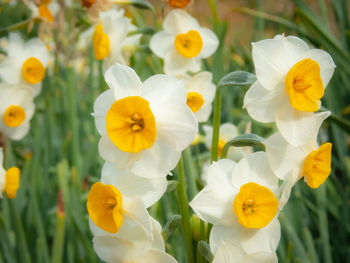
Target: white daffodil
(113, 211)
(16, 110)
(183, 43)
(228, 131)
(291, 163)
(144, 126)
(45, 10)
(25, 62)
(291, 79)
(200, 94)
(240, 201)
(110, 37)
(9, 180)
(228, 253)
(134, 246)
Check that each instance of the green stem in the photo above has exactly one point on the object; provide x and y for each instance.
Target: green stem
(59, 240)
(192, 172)
(216, 126)
(343, 123)
(100, 75)
(243, 140)
(16, 26)
(214, 11)
(185, 214)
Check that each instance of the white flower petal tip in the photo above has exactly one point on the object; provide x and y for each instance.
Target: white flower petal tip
(179, 28)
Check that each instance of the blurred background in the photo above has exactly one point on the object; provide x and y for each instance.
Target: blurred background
(48, 221)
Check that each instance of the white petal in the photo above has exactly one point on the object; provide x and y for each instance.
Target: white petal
(214, 205)
(157, 161)
(111, 153)
(102, 104)
(202, 84)
(112, 249)
(265, 239)
(210, 42)
(179, 22)
(228, 131)
(221, 234)
(35, 48)
(228, 253)
(10, 71)
(325, 61)
(263, 104)
(176, 124)
(208, 130)
(299, 127)
(254, 168)
(159, 89)
(204, 113)
(157, 256)
(158, 241)
(220, 173)
(286, 188)
(15, 43)
(135, 209)
(162, 43)
(129, 184)
(274, 57)
(123, 81)
(175, 64)
(283, 157)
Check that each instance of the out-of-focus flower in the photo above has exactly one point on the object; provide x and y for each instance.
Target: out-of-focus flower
(110, 37)
(180, 3)
(16, 110)
(292, 163)
(134, 245)
(109, 208)
(9, 180)
(200, 94)
(240, 201)
(45, 10)
(26, 62)
(291, 81)
(183, 43)
(95, 7)
(228, 253)
(144, 126)
(228, 131)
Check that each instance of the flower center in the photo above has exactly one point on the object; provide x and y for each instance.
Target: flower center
(12, 182)
(179, 3)
(14, 116)
(44, 12)
(105, 207)
(33, 71)
(317, 165)
(100, 42)
(221, 146)
(131, 125)
(194, 101)
(304, 85)
(255, 205)
(190, 44)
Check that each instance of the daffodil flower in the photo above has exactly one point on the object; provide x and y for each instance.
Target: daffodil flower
(183, 43)
(228, 131)
(200, 94)
(46, 10)
(112, 210)
(110, 36)
(227, 253)
(291, 79)
(25, 62)
(144, 126)
(9, 180)
(135, 246)
(16, 110)
(240, 201)
(291, 163)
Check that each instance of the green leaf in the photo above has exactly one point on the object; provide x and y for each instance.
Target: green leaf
(171, 185)
(244, 140)
(171, 227)
(204, 249)
(144, 4)
(237, 78)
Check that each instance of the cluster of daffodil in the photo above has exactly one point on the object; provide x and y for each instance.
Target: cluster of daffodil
(144, 127)
(243, 199)
(21, 73)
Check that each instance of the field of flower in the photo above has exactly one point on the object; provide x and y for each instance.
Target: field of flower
(164, 131)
